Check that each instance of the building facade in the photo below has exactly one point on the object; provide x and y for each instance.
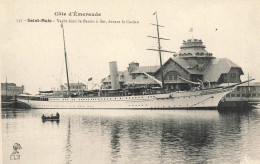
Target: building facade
(245, 92)
(10, 91)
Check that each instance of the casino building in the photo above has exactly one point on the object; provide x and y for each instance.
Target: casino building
(191, 64)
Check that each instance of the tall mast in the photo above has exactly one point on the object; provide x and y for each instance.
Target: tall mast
(159, 48)
(65, 53)
(159, 45)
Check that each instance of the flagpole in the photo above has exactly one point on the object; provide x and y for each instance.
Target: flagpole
(191, 30)
(192, 33)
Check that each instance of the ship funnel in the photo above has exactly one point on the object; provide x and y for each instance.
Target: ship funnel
(114, 75)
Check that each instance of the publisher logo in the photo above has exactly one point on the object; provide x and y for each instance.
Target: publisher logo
(15, 154)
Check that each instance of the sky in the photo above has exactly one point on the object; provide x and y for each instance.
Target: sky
(32, 53)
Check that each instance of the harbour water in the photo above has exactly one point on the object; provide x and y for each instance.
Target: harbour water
(132, 136)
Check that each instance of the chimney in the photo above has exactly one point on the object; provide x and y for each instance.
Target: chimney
(133, 66)
(114, 75)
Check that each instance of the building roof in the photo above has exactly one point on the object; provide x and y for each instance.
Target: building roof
(184, 64)
(138, 79)
(211, 72)
(125, 76)
(219, 66)
(193, 47)
(75, 84)
(108, 79)
(147, 69)
(8, 84)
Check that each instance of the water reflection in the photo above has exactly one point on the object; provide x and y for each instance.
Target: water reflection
(171, 137)
(115, 141)
(14, 113)
(67, 148)
(187, 139)
(131, 136)
(52, 121)
(135, 131)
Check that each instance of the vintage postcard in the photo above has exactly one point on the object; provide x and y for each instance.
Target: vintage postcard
(130, 81)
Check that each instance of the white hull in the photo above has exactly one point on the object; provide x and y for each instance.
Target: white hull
(196, 99)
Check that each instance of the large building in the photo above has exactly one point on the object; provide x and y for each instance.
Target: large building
(192, 63)
(10, 91)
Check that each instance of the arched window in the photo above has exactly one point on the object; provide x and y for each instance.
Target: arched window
(172, 75)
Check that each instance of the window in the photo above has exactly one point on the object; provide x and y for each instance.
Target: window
(172, 75)
(233, 75)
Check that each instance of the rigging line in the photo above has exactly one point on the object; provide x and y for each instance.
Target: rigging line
(81, 78)
(78, 66)
(72, 65)
(202, 101)
(158, 81)
(197, 83)
(71, 70)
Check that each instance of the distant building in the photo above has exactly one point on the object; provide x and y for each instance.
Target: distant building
(10, 91)
(244, 92)
(246, 95)
(73, 87)
(192, 63)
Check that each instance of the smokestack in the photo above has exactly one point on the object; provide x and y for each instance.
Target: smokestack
(114, 75)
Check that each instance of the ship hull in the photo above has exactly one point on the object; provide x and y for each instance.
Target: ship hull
(176, 100)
